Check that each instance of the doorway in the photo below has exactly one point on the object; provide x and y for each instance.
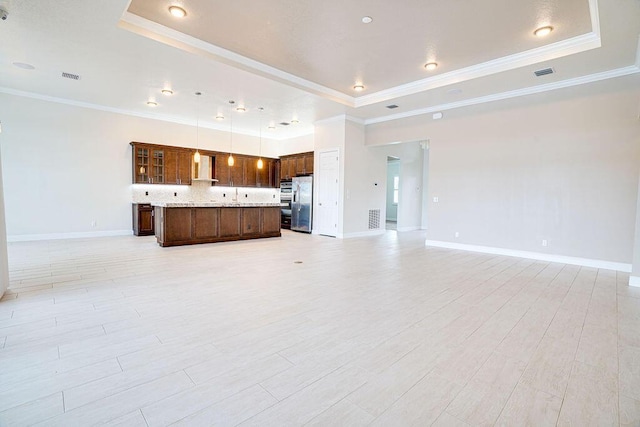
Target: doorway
(393, 192)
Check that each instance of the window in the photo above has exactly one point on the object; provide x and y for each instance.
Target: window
(396, 188)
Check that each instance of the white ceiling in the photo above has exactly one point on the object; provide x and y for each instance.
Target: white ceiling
(300, 59)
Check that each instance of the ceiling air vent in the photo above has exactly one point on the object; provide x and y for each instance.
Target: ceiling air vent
(543, 72)
(392, 106)
(284, 124)
(70, 76)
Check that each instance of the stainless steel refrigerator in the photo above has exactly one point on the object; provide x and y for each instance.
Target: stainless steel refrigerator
(301, 203)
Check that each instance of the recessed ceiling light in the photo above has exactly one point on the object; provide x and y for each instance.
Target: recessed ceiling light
(430, 66)
(272, 127)
(167, 92)
(152, 103)
(358, 88)
(177, 11)
(24, 66)
(543, 31)
(295, 121)
(241, 109)
(367, 20)
(219, 117)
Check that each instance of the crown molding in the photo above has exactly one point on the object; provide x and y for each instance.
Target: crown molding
(618, 72)
(161, 33)
(152, 116)
(506, 63)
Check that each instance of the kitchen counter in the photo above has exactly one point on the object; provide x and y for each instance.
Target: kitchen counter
(189, 223)
(215, 205)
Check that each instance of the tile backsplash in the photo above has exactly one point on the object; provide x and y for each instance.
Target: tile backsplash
(201, 191)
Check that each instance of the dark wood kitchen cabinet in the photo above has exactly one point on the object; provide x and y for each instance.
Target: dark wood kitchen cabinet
(160, 164)
(143, 224)
(156, 164)
(192, 225)
(178, 166)
(296, 164)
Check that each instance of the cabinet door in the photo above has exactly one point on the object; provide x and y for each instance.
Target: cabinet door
(236, 172)
(274, 174)
(206, 223)
(270, 220)
(250, 221)
(171, 167)
(157, 167)
(229, 222)
(284, 168)
(140, 165)
(251, 172)
(184, 167)
(308, 163)
(299, 165)
(222, 170)
(264, 174)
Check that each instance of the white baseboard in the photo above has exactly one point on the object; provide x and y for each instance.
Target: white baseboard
(362, 234)
(634, 281)
(585, 262)
(74, 235)
(412, 228)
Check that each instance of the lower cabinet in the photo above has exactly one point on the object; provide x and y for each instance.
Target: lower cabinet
(187, 226)
(143, 219)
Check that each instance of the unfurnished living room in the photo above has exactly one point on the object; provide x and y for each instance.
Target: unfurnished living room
(297, 213)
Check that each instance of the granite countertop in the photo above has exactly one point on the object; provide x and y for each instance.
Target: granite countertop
(216, 205)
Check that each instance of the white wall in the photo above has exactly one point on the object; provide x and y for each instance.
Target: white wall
(561, 166)
(65, 166)
(364, 183)
(300, 144)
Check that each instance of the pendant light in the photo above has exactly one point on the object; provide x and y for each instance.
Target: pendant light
(196, 156)
(230, 159)
(260, 162)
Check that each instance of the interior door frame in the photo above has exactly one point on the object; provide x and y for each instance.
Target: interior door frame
(316, 192)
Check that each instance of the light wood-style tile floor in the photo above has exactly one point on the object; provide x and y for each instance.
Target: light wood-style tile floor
(371, 331)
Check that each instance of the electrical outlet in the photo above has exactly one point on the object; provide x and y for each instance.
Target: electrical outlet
(435, 199)
(544, 242)
(94, 223)
(457, 234)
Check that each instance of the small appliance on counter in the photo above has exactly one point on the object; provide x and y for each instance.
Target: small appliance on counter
(301, 203)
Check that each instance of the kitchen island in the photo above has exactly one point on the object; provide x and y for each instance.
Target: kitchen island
(192, 223)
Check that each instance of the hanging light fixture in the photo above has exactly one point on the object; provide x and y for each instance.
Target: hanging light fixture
(230, 159)
(196, 156)
(260, 162)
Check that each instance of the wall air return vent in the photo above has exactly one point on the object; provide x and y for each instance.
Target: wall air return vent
(374, 219)
(543, 72)
(70, 76)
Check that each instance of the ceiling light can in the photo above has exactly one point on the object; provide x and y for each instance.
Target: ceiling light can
(543, 31)
(358, 87)
(177, 11)
(152, 103)
(367, 20)
(241, 109)
(167, 92)
(24, 66)
(430, 66)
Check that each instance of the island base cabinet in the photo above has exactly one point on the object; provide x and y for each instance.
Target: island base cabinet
(193, 225)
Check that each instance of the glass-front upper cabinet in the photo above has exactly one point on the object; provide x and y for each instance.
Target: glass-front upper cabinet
(148, 165)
